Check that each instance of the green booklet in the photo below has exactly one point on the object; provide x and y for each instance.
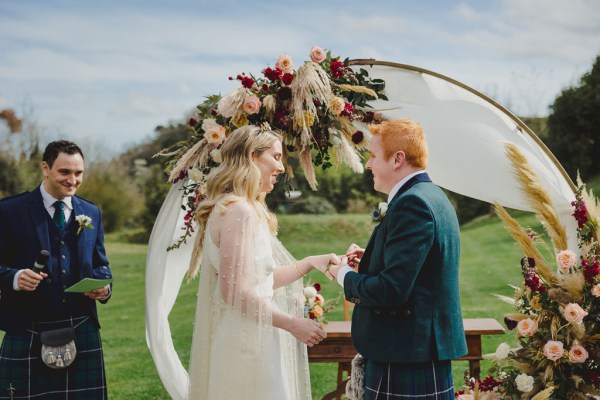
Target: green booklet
(87, 285)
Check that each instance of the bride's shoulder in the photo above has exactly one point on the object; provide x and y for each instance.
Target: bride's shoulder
(235, 206)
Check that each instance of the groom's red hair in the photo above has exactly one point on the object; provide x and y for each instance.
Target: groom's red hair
(403, 135)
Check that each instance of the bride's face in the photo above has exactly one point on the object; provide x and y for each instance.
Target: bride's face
(270, 165)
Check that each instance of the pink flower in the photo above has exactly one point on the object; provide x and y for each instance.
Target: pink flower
(251, 105)
(465, 396)
(319, 299)
(553, 350)
(215, 134)
(527, 327)
(565, 260)
(596, 290)
(317, 54)
(578, 354)
(574, 313)
(285, 64)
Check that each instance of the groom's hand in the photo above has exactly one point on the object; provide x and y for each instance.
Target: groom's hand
(354, 255)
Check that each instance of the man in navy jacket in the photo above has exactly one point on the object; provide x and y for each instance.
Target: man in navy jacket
(51, 218)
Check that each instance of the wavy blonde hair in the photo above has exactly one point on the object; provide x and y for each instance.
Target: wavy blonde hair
(236, 178)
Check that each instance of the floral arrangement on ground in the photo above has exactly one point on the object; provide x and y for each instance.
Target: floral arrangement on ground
(320, 110)
(557, 318)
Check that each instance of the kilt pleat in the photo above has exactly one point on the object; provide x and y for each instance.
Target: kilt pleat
(22, 369)
(423, 381)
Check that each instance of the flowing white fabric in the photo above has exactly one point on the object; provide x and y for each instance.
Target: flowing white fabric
(236, 352)
(466, 134)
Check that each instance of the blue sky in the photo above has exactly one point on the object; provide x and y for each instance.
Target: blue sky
(106, 73)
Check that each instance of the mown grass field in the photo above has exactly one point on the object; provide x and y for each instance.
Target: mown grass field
(489, 263)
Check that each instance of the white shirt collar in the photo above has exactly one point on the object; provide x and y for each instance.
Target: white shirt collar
(49, 200)
(399, 185)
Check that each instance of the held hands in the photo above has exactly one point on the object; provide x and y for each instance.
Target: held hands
(28, 280)
(323, 263)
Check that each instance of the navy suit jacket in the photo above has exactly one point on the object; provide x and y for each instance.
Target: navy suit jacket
(24, 231)
(407, 305)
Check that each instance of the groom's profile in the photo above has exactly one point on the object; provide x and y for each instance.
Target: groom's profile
(52, 347)
(407, 321)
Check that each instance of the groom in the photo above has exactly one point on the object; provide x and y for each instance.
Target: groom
(33, 303)
(407, 320)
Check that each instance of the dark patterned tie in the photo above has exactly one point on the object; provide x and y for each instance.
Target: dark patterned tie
(59, 215)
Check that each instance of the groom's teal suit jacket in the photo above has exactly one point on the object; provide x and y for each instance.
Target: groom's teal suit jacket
(406, 295)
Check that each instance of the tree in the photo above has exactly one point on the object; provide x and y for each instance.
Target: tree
(574, 125)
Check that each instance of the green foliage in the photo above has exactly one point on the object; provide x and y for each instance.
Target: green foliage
(313, 205)
(110, 187)
(10, 183)
(574, 125)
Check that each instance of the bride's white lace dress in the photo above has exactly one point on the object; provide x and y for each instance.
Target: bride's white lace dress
(236, 352)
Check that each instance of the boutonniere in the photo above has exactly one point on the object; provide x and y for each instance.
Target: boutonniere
(377, 213)
(84, 222)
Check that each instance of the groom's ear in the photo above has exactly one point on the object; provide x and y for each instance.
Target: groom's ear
(399, 159)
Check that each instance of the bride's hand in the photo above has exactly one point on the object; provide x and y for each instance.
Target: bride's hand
(321, 262)
(307, 331)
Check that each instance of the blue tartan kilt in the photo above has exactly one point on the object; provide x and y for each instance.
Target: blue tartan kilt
(23, 373)
(430, 380)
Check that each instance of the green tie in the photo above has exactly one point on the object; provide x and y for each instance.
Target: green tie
(59, 215)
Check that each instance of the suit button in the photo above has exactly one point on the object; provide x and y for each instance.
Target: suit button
(64, 300)
(64, 271)
(392, 312)
(63, 256)
(377, 311)
(62, 242)
(407, 313)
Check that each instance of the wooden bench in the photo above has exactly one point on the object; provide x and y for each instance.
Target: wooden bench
(338, 348)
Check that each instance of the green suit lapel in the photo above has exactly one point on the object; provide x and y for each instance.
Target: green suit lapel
(362, 267)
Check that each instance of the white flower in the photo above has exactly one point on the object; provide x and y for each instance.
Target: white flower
(383, 206)
(524, 383)
(310, 292)
(216, 155)
(195, 174)
(502, 351)
(208, 123)
(84, 221)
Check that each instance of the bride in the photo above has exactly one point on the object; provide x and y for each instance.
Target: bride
(250, 335)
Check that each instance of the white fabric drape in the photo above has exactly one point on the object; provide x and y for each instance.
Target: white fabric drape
(466, 136)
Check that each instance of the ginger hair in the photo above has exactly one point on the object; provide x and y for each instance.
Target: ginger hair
(403, 135)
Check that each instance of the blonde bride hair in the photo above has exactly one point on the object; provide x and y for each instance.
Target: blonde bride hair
(236, 178)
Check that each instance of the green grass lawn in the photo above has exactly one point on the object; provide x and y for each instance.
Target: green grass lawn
(489, 262)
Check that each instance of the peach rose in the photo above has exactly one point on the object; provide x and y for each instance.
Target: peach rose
(465, 397)
(337, 105)
(215, 134)
(317, 54)
(208, 123)
(565, 260)
(251, 105)
(317, 311)
(553, 350)
(527, 327)
(574, 313)
(578, 354)
(596, 290)
(284, 63)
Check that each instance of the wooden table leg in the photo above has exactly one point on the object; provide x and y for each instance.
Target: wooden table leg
(474, 369)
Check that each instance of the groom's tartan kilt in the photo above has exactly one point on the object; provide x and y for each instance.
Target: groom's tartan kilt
(22, 369)
(423, 381)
